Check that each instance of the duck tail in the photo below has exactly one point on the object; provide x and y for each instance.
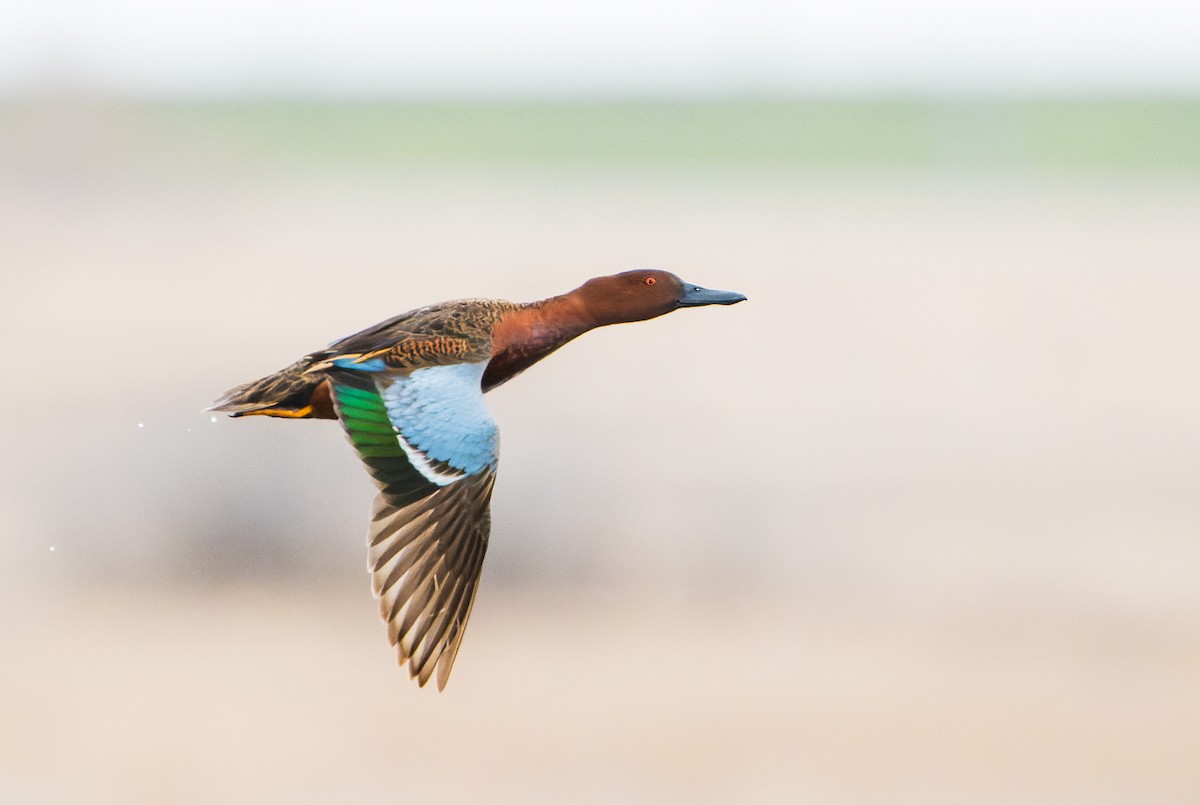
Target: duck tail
(292, 393)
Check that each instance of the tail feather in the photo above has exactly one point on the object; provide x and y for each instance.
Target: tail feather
(290, 393)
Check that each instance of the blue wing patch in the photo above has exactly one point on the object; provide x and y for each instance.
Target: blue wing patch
(371, 365)
(441, 420)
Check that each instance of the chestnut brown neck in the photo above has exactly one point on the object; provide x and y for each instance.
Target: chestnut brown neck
(530, 332)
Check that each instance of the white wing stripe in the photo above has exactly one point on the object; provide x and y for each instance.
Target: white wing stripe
(423, 465)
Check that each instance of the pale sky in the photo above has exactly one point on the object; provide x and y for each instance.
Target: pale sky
(537, 47)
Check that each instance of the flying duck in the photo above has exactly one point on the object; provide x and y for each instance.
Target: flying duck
(408, 391)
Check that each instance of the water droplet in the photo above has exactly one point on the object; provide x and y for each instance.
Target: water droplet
(141, 424)
(51, 548)
(212, 418)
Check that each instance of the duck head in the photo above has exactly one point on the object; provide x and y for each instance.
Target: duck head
(531, 332)
(644, 294)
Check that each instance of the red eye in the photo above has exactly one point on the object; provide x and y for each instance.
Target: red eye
(650, 280)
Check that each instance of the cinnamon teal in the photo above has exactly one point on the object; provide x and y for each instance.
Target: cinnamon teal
(409, 394)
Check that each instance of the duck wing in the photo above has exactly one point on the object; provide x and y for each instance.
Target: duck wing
(429, 442)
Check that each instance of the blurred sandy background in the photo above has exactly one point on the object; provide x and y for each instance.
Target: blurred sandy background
(917, 523)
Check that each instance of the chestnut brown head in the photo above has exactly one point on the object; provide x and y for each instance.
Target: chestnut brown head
(643, 294)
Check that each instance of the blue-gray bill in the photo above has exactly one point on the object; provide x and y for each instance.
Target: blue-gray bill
(695, 296)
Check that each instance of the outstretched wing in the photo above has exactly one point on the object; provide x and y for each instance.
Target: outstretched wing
(431, 446)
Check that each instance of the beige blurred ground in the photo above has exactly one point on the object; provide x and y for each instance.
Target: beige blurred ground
(918, 523)
(278, 695)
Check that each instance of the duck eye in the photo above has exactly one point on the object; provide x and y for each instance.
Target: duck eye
(650, 280)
